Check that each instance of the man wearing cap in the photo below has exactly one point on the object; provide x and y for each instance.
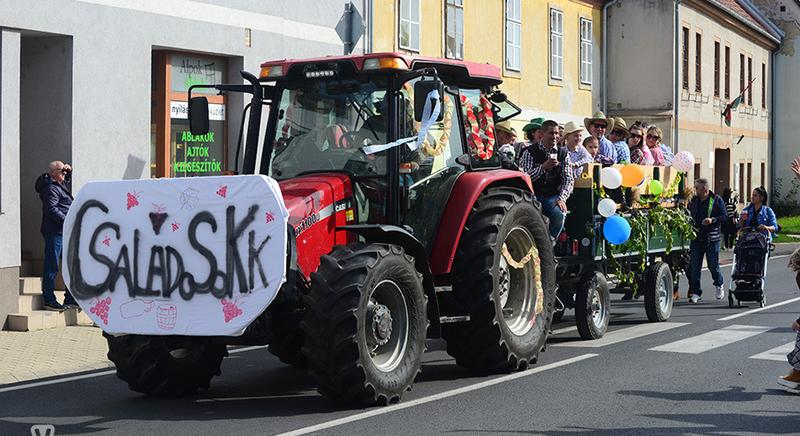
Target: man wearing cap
(578, 155)
(619, 136)
(533, 134)
(598, 125)
(551, 175)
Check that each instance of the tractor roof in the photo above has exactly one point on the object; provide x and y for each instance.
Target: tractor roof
(463, 72)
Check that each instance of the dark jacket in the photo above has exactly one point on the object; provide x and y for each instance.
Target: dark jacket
(56, 199)
(699, 211)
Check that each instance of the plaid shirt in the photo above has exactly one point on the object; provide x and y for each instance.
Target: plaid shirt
(534, 169)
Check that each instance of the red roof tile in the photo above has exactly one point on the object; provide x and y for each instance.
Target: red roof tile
(737, 9)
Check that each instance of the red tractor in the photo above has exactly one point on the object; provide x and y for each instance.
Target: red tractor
(402, 226)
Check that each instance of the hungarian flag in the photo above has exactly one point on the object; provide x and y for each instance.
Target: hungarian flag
(726, 114)
(730, 108)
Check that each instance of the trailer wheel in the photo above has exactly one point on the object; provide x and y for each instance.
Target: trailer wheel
(593, 307)
(165, 366)
(365, 324)
(508, 292)
(658, 292)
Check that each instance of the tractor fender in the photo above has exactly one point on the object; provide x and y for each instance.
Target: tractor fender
(466, 191)
(389, 234)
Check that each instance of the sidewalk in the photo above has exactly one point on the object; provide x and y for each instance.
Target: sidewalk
(49, 353)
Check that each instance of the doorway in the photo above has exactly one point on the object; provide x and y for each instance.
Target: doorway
(722, 169)
(45, 130)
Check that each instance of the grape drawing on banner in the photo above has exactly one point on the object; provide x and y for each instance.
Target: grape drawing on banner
(133, 199)
(176, 226)
(107, 241)
(230, 309)
(223, 191)
(269, 217)
(101, 309)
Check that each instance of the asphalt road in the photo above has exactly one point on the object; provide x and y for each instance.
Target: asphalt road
(710, 373)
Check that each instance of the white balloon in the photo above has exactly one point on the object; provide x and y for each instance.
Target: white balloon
(611, 177)
(606, 207)
(683, 162)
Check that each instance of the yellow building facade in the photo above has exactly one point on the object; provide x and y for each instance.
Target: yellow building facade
(549, 51)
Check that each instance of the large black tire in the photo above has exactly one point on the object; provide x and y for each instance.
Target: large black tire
(346, 322)
(286, 342)
(593, 307)
(503, 333)
(165, 366)
(658, 292)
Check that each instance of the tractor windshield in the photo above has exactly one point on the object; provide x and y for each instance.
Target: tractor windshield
(322, 125)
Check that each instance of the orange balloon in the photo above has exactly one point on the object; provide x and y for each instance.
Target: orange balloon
(632, 175)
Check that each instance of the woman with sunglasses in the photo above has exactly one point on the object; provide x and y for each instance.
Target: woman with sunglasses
(640, 154)
(653, 141)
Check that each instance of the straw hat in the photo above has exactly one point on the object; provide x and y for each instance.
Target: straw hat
(571, 127)
(620, 124)
(505, 126)
(599, 116)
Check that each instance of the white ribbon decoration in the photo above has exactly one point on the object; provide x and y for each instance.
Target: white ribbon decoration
(429, 114)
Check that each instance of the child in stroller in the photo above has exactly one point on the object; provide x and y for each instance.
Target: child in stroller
(752, 250)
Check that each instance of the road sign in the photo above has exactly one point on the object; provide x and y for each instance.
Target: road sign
(350, 27)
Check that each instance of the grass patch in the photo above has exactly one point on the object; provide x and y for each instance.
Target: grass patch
(780, 237)
(790, 224)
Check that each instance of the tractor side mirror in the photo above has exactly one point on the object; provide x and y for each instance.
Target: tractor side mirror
(421, 90)
(198, 115)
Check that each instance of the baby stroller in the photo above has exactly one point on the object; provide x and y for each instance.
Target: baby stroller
(749, 268)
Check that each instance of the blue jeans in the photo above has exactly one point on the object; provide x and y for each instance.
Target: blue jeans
(697, 250)
(52, 257)
(554, 213)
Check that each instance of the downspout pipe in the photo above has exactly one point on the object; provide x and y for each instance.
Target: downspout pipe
(676, 80)
(605, 54)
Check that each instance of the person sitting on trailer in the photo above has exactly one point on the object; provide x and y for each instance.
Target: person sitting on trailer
(551, 174)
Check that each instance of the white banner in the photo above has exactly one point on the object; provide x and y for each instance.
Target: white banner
(199, 256)
(180, 110)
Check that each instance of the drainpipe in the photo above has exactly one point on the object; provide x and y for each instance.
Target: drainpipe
(605, 54)
(676, 81)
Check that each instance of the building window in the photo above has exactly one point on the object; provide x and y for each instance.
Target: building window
(743, 196)
(586, 51)
(749, 81)
(741, 74)
(763, 173)
(698, 41)
(685, 68)
(409, 25)
(697, 171)
(749, 179)
(716, 68)
(556, 44)
(727, 73)
(514, 35)
(764, 85)
(454, 34)
(175, 152)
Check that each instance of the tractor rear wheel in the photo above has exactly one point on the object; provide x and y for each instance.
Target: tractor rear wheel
(365, 324)
(504, 277)
(165, 366)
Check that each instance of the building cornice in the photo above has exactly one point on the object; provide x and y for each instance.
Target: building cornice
(725, 16)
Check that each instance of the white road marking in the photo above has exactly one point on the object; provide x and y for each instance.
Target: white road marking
(564, 330)
(752, 311)
(436, 397)
(625, 334)
(96, 374)
(711, 340)
(777, 354)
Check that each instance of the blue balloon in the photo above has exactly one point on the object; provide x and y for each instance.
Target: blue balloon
(616, 230)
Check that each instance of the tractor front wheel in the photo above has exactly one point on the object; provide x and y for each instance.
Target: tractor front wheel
(365, 324)
(165, 366)
(504, 276)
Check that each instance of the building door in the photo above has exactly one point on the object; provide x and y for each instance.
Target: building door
(722, 169)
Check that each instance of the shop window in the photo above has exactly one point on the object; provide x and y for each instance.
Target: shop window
(175, 152)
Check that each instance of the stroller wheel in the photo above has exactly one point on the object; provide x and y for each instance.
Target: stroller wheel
(763, 300)
(730, 300)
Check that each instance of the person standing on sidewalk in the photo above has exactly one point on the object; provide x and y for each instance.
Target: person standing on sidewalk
(729, 228)
(708, 213)
(54, 190)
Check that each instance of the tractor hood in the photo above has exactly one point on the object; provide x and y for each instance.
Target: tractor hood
(317, 205)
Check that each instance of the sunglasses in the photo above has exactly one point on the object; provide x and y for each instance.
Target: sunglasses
(634, 135)
(600, 126)
(653, 137)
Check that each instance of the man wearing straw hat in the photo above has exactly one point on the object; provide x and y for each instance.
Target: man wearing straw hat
(619, 136)
(598, 126)
(506, 138)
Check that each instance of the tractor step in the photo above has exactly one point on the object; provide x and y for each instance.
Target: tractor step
(444, 288)
(453, 319)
